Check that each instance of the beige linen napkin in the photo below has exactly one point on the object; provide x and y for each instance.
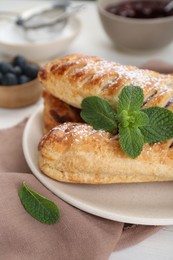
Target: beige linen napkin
(77, 236)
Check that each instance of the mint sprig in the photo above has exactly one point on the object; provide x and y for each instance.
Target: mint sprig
(134, 125)
(130, 99)
(38, 207)
(127, 139)
(99, 113)
(160, 125)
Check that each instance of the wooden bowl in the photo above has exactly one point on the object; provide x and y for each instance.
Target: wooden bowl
(20, 95)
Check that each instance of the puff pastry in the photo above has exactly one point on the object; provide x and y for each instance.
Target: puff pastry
(75, 152)
(74, 77)
(57, 112)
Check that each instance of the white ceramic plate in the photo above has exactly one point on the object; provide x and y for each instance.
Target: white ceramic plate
(145, 203)
(14, 41)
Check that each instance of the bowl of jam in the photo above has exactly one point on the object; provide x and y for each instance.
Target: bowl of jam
(137, 24)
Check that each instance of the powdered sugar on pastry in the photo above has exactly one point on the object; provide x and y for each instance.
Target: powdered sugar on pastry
(75, 152)
(74, 77)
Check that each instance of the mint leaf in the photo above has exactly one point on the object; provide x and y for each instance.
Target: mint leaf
(135, 125)
(140, 118)
(98, 113)
(136, 118)
(131, 141)
(39, 207)
(124, 119)
(160, 126)
(131, 99)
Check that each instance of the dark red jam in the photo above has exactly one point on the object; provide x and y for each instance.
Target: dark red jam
(140, 9)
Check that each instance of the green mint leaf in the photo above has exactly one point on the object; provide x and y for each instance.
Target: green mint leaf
(39, 207)
(160, 126)
(131, 99)
(131, 141)
(124, 119)
(135, 119)
(140, 118)
(135, 125)
(98, 113)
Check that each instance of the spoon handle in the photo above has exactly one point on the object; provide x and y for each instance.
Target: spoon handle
(66, 11)
(168, 7)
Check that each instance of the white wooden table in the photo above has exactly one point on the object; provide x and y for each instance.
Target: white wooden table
(93, 41)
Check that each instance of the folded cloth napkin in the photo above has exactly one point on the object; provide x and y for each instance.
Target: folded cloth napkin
(78, 235)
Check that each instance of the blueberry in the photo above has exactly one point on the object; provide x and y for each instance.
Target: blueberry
(17, 70)
(5, 67)
(31, 71)
(1, 76)
(19, 61)
(9, 79)
(23, 79)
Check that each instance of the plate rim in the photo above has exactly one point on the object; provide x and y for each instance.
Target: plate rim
(74, 202)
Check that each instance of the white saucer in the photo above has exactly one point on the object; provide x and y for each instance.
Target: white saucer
(14, 41)
(137, 203)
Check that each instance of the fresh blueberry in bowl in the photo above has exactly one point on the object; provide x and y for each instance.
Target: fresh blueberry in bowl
(1, 76)
(9, 79)
(19, 61)
(5, 67)
(23, 79)
(31, 70)
(18, 71)
(19, 86)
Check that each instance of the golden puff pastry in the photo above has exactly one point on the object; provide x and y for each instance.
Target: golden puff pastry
(57, 112)
(75, 152)
(74, 77)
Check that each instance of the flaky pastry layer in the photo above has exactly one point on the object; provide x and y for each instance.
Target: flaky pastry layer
(74, 152)
(77, 153)
(57, 112)
(74, 77)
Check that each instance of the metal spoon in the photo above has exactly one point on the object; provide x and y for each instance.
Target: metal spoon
(41, 17)
(168, 7)
(47, 17)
